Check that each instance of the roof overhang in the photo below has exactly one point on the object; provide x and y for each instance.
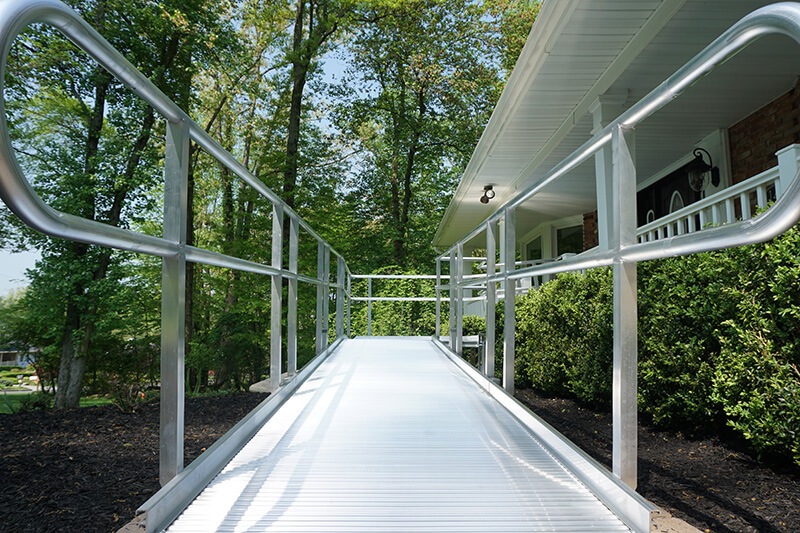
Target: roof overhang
(580, 51)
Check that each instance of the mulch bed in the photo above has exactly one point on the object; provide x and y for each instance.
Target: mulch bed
(703, 481)
(89, 469)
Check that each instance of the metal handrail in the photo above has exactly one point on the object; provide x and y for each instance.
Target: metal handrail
(369, 298)
(620, 247)
(20, 197)
(22, 200)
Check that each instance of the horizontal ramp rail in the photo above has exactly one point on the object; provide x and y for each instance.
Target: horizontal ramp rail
(388, 434)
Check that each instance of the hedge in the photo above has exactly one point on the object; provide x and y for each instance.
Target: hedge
(719, 342)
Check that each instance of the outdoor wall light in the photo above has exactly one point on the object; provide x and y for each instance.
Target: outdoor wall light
(488, 194)
(699, 171)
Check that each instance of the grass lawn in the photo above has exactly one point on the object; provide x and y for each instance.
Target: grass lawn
(10, 403)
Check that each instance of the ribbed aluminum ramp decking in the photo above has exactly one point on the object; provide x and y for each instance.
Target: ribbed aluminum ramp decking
(388, 434)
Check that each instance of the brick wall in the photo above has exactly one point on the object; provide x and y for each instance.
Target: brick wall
(755, 139)
(590, 238)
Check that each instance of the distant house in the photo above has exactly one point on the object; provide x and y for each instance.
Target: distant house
(587, 61)
(10, 358)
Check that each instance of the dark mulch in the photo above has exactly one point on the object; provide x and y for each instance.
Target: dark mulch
(703, 481)
(90, 469)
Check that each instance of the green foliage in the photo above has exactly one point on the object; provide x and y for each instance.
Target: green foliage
(719, 338)
(514, 19)
(130, 398)
(376, 152)
(564, 337)
(35, 401)
(757, 381)
(682, 302)
(421, 85)
(395, 318)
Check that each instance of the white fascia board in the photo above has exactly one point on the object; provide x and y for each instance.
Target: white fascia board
(546, 29)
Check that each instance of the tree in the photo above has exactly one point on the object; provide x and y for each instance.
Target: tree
(86, 141)
(422, 85)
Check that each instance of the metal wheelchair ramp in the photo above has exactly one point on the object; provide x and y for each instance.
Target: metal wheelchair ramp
(389, 435)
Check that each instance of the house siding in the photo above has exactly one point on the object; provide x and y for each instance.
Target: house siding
(755, 139)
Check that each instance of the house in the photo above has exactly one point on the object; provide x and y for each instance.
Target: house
(16, 358)
(628, 130)
(586, 62)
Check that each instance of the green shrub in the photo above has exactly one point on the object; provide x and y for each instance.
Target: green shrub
(36, 401)
(719, 341)
(565, 337)
(682, 303)
(757, 379)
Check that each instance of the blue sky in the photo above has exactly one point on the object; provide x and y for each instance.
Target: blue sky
(12, 269)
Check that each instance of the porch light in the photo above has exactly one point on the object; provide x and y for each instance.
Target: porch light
(698, 171)
(488, 194)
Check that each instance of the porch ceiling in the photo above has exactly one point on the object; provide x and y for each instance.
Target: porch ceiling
(581, 49)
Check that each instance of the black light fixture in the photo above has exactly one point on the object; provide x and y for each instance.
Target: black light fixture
(700, 172)
(488, 194)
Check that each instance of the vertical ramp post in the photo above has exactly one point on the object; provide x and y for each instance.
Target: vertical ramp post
(510, 294)
(458, 347)
(276, 303)
(369, 307)
(491, 299)
(326, 299)
(452, 294)
(173, 299)
(340, 281)
(291, 305)
(624, 388)
(349, 302)
(320, 297)
(438, 291)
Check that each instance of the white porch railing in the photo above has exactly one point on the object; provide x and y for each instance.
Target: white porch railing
(738, 202)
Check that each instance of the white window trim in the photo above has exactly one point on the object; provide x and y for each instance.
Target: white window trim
(547, 231)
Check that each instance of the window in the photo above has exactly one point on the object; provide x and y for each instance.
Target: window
(676, 202)
(569, 240)
(534, 249)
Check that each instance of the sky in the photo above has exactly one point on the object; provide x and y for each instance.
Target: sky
(12, 269)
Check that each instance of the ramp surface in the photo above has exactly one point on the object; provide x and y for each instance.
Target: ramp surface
(389, 435)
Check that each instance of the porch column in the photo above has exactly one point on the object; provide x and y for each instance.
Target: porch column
(787, 167)
(624, 386)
